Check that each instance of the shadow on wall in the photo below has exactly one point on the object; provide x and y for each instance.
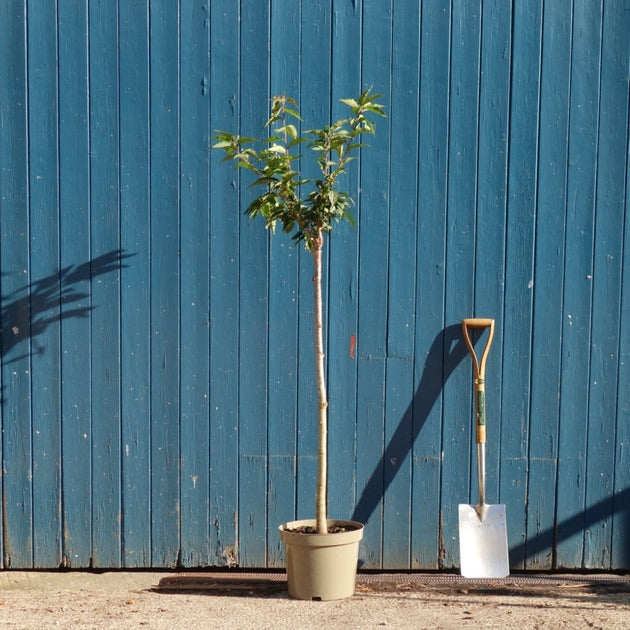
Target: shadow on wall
(28, 311)
(446, 353)
(582, 522)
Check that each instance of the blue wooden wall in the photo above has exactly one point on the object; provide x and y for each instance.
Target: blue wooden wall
(157, 394)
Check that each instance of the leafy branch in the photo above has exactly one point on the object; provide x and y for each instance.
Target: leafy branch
(306, 215)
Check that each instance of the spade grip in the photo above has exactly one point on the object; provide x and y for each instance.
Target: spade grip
(479, 368)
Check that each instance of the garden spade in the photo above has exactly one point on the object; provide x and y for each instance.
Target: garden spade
(483, 546)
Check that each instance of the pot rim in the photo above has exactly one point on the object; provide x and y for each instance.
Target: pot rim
(332, 538)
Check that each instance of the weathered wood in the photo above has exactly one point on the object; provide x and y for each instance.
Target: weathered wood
(195, 282)
(165, 183)
(158, 394)
(284, 303)
(337, 69)
(578, 281)
(135, 295)
(224, 206)
(432, 346)
(610, 214)
(74, 248)
(17, 507)
(548, 281)
(254, 281)
(463, 118)
(105, 288)
(45, 294)
(373, 229)
(516, 328)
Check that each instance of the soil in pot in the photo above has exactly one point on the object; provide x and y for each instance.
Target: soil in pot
(332, 529)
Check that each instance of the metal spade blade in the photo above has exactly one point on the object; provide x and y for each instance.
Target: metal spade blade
(483, 543)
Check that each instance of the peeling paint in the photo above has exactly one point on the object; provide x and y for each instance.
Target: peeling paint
(230, 554)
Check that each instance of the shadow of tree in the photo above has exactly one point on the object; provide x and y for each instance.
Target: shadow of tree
(29, 310)
(446, 352)
(616, 504)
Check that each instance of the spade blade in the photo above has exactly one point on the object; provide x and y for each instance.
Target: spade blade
(483, 546)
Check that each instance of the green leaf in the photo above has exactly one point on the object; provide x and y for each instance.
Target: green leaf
(246, 165)
(350, 102)
(277, 148)
(293, 113)
(222, 145)
(263, 181)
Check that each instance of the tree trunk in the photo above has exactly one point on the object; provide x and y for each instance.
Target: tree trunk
(320, 508)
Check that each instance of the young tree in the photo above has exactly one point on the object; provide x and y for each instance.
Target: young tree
(305, 208)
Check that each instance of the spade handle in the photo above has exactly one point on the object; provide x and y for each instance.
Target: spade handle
(479, 372)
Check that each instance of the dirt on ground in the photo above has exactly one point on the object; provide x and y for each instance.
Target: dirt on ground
(124, 600)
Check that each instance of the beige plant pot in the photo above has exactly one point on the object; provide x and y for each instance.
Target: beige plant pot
(321, 566)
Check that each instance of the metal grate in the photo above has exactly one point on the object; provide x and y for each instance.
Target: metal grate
(219, 580)
(453, 579)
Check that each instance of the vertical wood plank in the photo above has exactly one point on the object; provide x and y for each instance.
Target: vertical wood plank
(577, 322)
(397, 463)
(373, 247)
(430, 341)
(17, 506)
(45, 290)
(315, 85)
(165, 275)
(225, 106)
(340, 75)
(620, 552)
(75, 253)
(402, 211)
(254, 293)
(615, 26)
(548, 281)
(494, 104)
(194, 277)
(326, 70)
(610, 174)
(519, 279)
(285, 40)
(105, 276)
(315, 80)
(460, 263)
(135, 288)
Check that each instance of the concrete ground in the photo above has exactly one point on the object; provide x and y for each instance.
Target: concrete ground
(250, 600)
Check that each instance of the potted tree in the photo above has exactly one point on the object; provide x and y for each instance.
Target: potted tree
(321, 554)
